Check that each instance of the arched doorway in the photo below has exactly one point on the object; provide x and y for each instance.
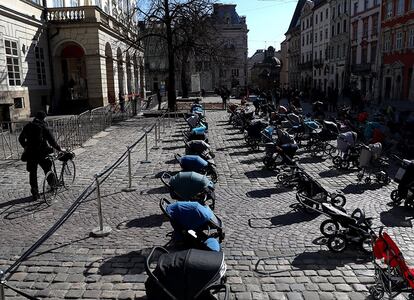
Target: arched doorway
(74, 72)
(120, 70)
(109, 74)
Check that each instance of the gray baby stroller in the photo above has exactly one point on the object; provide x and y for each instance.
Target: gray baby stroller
(373, 165)
(185, 275)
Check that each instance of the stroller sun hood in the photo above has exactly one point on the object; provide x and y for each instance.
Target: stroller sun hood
(185, 274)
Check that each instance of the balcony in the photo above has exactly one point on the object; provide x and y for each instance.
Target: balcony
(361, 68)
(306, 66)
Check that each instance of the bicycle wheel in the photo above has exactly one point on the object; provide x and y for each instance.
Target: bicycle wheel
(49, 192)
(68, 173)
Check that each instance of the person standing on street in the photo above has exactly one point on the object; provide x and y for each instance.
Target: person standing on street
(159, 98)
(37, 141)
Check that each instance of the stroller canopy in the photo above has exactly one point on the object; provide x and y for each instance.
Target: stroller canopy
(189, 215)
(189, 184)
(192, 163)
(199, 130)
(346, 140)
(198, 146)
(188, 273)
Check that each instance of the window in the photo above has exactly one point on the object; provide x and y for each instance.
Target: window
(387, 42)
(38, 2)
(364, 55)
(338, 51)
(338, 28)
(13, 62)
(373, 52)
(365, 4)
(58, 3)
(355, 30)
(354, 55)
(339, 9)
(326, 33)
(223, 73)
(18, 102)
(327, 13)
(316, 37)
(411, 38)
(365, 28)
(388, 9)
(40, 66)
(320, 35)
(345, 27)
(376, 2)
(74, 3)
(321, 16)
(399, 40)
(400, 7)
(316, 19)
(355, 8)
(344, 50)
(235, 72)
(412, 4)
(333, 30)
(333, 12)
(375, 24)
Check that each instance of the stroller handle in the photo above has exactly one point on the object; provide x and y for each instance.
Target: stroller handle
(218, 287)
(151, 274)
(163, 205)
(177, 157)
(164, 178)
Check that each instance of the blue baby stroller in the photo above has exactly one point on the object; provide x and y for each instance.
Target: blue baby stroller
(190, 186)
(197, 133)
(195, 225)
(186, 275)
(197, 164)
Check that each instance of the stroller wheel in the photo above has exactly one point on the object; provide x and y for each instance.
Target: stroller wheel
(395, 197)
(366, 245)
(345, 164)
(338, 200)
(409, 203)
(281, 178)
(367, 180)
(329, 228)
(337, 161)
(360, 176)
(337, 243)
(269, 163)
(377, 292)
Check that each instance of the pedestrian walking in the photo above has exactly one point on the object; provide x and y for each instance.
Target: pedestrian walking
(159, 98)
(37, 141)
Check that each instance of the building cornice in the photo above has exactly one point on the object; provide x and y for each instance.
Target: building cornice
(8, 12)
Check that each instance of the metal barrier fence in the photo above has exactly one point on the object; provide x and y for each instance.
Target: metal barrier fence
(69, 132)
(158, 127)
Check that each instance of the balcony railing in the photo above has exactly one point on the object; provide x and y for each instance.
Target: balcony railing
(361, 68)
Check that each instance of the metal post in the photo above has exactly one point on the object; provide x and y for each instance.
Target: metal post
(102, 230)
(2, 295)
(159, 129)
(156, 136)
(146, 161)
(129, 188)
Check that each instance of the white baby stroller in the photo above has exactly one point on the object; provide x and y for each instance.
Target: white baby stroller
(373, 165)
(348, 151)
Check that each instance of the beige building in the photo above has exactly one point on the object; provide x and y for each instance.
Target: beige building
(306, 46)
(321, 36)
(339, 45)
(66, 57)
(365, 32)
(284, 71)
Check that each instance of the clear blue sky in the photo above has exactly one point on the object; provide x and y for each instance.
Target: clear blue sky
(267, 21)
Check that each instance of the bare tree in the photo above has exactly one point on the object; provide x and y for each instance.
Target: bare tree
(183, 27)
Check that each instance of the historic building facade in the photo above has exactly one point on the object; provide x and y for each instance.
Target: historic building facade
(284, 71)
(397, 30)
(365, 32)
(339, 45)
(264, 69)
(306, 45)
(321, 36)
(65, 57)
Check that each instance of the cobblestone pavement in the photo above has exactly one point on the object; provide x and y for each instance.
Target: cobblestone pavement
(271, 251)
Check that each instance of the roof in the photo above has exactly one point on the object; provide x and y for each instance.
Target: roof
(224, 11)
(295, 18)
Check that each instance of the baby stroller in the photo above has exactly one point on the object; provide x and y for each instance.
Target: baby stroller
(195, 225)
(197, 133)
(185, 275)
(253, 134)
(371, 163)
(405, 180)
(194, 120)
(342, 228)
(190, 186)
(200, 148)
(197, 164)
(278, 151)
(311, 195)
(349, 152)
(395, 277)
(292, 176)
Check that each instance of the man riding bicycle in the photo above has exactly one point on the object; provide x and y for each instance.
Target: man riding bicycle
(37, 141)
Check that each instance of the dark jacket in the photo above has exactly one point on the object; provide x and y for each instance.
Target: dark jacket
(36, 138)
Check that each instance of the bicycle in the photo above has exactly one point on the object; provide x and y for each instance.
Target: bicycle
(52, 183)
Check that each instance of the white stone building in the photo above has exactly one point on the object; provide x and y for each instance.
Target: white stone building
(65, 56)
(321, 36)
(306, 36)
(365, 32)
(339, 46)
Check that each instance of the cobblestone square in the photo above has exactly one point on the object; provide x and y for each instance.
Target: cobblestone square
(272, 251)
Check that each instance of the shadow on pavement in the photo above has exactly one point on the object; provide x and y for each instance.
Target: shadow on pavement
(174, 147)
(236, 139)
(397, 217)
(259, 174)
(311, 160)
(159, 174)
(287, 219)
(359, 188)
(232, 147)
(144, 222)
(335, 173)
(243, 153)
(22, 207)
(158, 190)
(266, 193)
(251, 160)
(130, 265)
